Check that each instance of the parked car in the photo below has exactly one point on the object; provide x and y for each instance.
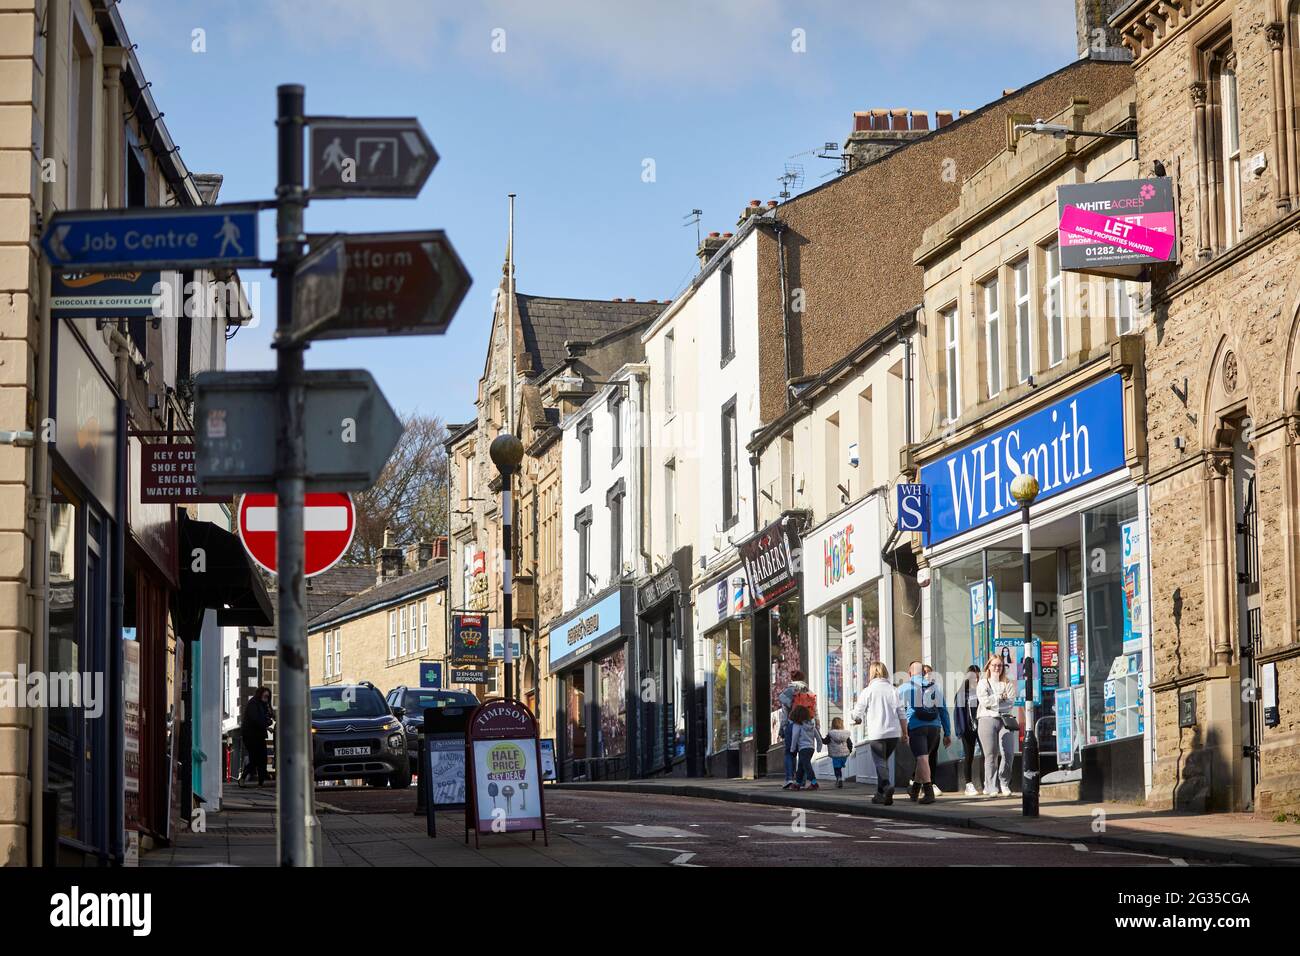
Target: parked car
(355, 735)
(409, 705)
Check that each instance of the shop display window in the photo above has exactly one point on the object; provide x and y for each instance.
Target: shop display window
(575, 717)
(1113, 545)
(66, 724)
(612, 674)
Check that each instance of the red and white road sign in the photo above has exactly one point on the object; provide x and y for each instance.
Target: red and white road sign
(328, 518)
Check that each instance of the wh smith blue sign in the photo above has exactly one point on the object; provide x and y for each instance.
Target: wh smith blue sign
(1065, 445)
(172, 237)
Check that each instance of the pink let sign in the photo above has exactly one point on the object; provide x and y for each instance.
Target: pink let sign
(1095, 227)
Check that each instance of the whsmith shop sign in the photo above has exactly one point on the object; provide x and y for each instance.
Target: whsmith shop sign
(1064, 445)
(1117, 228)
(603, 621)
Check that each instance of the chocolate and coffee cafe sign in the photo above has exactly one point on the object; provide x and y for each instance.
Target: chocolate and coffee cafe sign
(772, 560)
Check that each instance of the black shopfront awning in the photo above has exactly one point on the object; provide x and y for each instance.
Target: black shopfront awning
(217, 574)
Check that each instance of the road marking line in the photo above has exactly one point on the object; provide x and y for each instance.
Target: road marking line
(1080, 847)
(785, 830)
(682, 859)
(1177, 861)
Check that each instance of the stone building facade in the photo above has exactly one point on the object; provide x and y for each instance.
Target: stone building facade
(1217, 98)
(561, 348)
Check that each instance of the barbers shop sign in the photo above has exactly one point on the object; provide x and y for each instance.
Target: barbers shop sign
(772, 560)
(1067, 444)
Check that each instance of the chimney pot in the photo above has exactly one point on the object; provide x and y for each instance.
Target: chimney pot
(920, 120)
(755, 202)
(942, 118)
(898, 119)
(771, 204)
(880, 119)
(727, 235)
(861, 121)
(714, 235)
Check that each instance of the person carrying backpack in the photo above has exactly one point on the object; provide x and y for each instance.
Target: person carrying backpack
(805, 739)
(785, 700)
(927, 718)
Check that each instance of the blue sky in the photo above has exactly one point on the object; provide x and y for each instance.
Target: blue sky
(583, 93)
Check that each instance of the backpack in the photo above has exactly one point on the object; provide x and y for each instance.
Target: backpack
(805, 698)
(920, 712)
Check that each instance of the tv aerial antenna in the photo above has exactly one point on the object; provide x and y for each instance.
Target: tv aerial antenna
(693, 218)
(792, 178)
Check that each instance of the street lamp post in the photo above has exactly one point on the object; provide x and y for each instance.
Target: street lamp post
(507, 452)
(1024, 488)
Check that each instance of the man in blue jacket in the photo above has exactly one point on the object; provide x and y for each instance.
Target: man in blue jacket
(927, 720)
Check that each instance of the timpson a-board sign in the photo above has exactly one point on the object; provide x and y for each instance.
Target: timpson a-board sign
(503, 771)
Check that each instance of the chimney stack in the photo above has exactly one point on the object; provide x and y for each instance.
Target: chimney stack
(391, 560)
(418, 556)
(1098, 40)
(709, 247)
(755, 208)
(877, 132)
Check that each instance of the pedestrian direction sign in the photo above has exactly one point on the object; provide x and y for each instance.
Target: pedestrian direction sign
(170, 237)
(368, 156)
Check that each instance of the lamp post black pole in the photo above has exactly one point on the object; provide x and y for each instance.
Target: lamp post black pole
(1024, 488)
(507, 451)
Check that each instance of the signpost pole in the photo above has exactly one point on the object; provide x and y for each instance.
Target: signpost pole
(297, 816)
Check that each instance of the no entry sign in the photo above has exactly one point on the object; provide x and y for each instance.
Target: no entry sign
(329, 520)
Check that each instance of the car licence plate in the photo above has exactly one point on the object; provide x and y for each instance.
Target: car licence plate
(352, 751)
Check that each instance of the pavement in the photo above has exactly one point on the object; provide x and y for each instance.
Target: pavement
(1212, 837)
(362, 826)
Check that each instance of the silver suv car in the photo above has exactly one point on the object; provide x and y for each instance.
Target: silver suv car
(355, 735)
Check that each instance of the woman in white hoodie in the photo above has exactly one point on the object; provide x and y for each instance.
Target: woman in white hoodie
(997, 696)
(879, 705)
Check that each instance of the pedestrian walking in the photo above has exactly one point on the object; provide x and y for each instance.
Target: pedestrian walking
(965, 718)
(255, 722)
(998, 726)
(839, 744)
(785, 700)
(880, 708)
(927, 721)
(805, 740)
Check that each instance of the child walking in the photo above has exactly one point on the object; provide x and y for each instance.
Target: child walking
(839, 745)
(804, 739)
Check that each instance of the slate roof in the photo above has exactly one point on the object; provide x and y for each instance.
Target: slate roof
(379, 595)
(323, 592)
(548, 323)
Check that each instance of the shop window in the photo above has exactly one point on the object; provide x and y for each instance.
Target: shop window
(1055, 309)
(575, 716)
(733, 685)
(67, 725)
(1112, 566)
(951, 364)
(789, 650)
(992, 338)
(834, 623)
(612, 674)
(1024, 321)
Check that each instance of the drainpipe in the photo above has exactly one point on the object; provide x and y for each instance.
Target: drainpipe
(55, 31)
(908, 428)
(121, 347)
(114, 60)
(779, 228)
(644, 475)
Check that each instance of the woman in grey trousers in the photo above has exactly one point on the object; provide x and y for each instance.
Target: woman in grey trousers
(997, 698)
